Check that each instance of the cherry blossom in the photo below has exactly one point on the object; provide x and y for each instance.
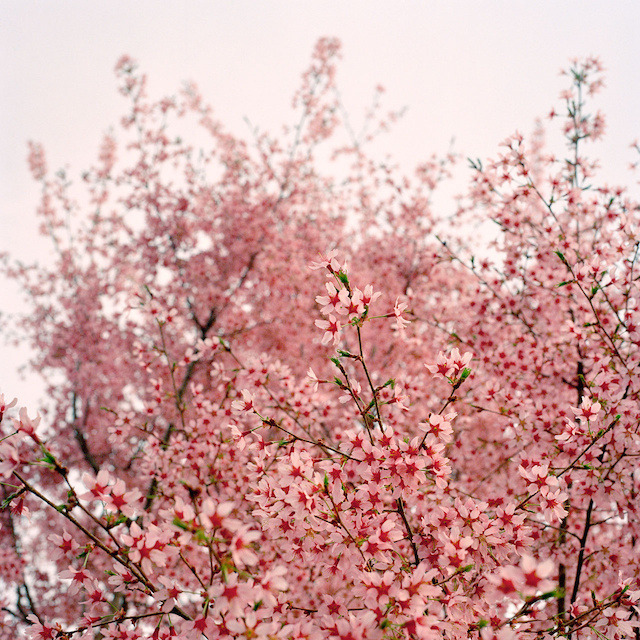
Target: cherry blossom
(414, 436)
(4, 405)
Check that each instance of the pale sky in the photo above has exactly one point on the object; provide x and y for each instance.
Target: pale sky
(476, 70)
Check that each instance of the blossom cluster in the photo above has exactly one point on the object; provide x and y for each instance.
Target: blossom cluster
(239, 446)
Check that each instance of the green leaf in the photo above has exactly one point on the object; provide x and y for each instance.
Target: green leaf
(561, 256)
(342, 276)
(47, 458)
(475, 164)
(7, 501)
(179, 523)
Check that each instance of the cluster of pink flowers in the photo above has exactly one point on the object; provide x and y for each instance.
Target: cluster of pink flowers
(341, 300)
(238, 446)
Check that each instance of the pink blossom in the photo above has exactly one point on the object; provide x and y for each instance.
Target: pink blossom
(244, 405)
(66, 544)
(440, 427)
(588, 410)
(120, 500)
(352, 303)
(40, 631)
(443, 366)
(78, 578)
(4, 406)
(27, 425)
(314, 379)
(96, 486)
(9, 459)
(214, 516)
(232, 597)
(148, 547)
(202, 625)
(331, 302)
(369, 297)
(327, 262)
(401, 323)
(332, 329)
(536, 574)
(242, 554)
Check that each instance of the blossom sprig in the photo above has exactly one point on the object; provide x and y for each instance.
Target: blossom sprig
(341, 299)
(26, 425)
(398, 309)
(453, 367)
(112, 493)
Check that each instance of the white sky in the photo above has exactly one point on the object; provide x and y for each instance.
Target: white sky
(475, 70)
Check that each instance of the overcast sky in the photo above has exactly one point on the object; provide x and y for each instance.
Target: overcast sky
(475, 70)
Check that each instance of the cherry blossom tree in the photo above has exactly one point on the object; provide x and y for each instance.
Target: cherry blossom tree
(288, 400)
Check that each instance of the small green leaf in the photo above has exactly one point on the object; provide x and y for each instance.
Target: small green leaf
(476, 164)
(47, 458)
(179, 523)
(561, 256)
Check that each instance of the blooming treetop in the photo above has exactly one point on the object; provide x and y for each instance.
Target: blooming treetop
(283, 406)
